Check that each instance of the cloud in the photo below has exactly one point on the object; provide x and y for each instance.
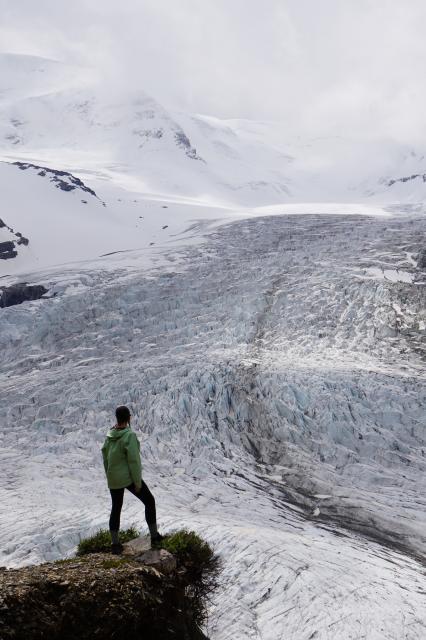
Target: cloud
(329, 67)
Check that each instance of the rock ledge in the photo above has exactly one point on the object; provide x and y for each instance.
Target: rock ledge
(142, 594)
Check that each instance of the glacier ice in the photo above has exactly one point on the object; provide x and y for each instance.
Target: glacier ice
(278, 390)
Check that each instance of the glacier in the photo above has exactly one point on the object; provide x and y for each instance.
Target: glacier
(258, 301)
(277, 384)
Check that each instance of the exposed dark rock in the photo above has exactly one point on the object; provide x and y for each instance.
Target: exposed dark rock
(8, 247)
(7, 250)
(183, 142)
(22, 240)
(414, 176)
(21, 292)
(62, 179)
(148, 133)
(421, 260)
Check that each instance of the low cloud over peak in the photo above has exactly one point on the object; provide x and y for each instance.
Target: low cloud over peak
(329, 68)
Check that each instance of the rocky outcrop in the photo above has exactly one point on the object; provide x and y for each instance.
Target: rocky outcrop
(421, 260)
(414, 176)
(7, 250)
(142, 594)
(61, 179)
(8, 247)
(159, 559)
(184, 143)
(21, 292)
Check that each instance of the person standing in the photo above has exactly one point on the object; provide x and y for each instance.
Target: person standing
(123, 469)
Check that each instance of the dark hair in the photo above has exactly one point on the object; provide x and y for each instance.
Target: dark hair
(122, 414)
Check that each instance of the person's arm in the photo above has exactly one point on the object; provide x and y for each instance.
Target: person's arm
(134, 460)
(105, 457)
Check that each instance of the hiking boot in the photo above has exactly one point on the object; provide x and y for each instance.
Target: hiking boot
(117, 549)
(156, 541)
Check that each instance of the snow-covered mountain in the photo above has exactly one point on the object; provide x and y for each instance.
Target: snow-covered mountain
(98, 128)
(153, 169)
(60, 116)
(274, 364)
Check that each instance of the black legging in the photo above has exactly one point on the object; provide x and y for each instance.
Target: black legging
(144, 495)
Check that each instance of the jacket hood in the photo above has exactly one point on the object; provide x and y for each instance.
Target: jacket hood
(115, 434)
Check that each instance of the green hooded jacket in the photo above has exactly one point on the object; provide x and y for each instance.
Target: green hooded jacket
(122, 460)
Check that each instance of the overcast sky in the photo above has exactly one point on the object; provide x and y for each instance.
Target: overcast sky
(321, 66)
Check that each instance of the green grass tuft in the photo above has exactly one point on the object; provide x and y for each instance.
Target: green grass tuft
(101, 541)
(202, 568)
(188, 548)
